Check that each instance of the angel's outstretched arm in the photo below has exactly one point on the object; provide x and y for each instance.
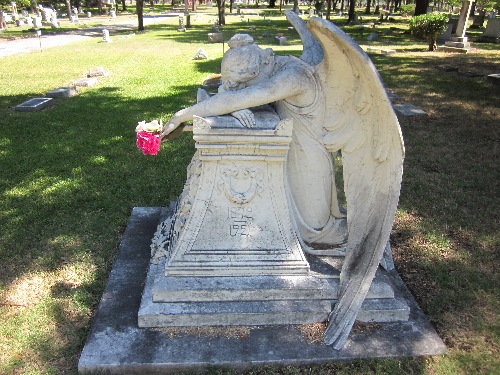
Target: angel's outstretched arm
(284, 84)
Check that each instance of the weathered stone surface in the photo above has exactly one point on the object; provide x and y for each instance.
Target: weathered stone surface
(98, 72)
(86, 82)
(388, 51)
(62, 92)
(233, 217)
(116, 345)
(408, 110)
(34, 105)
(302, 90)
(215, 37)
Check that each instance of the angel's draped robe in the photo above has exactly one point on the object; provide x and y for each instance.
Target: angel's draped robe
(310, 171)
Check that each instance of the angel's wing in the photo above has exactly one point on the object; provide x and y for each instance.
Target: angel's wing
(361, 123)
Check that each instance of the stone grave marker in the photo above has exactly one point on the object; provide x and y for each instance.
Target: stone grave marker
(409, 110)
(62, 92)
(388, 51)
(459, 42)
(392, 96)
(105, 36)
(97, 72)
(281, 39)
(492, 32)
(215, 37)
(34, 105)
(181, 25)
(238, 246)
(445, 35)
(86, 82)
(200, 55)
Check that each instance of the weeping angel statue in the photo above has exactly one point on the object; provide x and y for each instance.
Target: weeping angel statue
(338, 104)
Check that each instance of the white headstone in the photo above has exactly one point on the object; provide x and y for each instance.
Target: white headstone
(37, 22)
(105, 35)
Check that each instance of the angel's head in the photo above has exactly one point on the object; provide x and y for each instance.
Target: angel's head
(242, 63)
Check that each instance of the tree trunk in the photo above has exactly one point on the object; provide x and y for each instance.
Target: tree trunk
(221, 7)
(172, 4)
(368, 7)
(124, 6)
(193, 8)
(352, 11)
(99, 6)
(231, 6)
(68, 6)
(329, 9)
(296, 6)
(432, 43)
(139, 4)
(421, 7)
(272, 4)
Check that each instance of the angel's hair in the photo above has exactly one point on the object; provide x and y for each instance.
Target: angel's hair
(240, 40)
(245, 57)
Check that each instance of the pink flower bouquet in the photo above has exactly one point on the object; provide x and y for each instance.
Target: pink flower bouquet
(148, 136)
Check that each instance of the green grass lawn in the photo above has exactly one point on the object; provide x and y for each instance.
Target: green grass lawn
(72, 173)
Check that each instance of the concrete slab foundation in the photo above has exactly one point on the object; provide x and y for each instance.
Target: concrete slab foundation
(117, 345)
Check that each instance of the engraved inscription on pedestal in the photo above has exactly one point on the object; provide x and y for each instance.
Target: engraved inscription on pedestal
(233, 217)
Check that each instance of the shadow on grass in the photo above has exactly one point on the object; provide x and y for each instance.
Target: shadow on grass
(67, 191)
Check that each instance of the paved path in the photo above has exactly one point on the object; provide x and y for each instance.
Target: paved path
(27, 45)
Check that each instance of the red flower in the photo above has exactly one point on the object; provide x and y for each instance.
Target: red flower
(149, 143)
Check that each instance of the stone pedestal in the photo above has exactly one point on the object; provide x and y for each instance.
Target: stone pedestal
(229, 255)
(233, 217)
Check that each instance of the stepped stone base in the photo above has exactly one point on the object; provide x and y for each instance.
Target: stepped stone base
(170, 301)
(457, 45)
(117, 345)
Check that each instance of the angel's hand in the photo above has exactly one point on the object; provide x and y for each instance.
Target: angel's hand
(245, 116)
(169, 127)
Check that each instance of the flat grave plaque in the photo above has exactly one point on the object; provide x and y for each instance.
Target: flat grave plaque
(408, 110)
(33, 105)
